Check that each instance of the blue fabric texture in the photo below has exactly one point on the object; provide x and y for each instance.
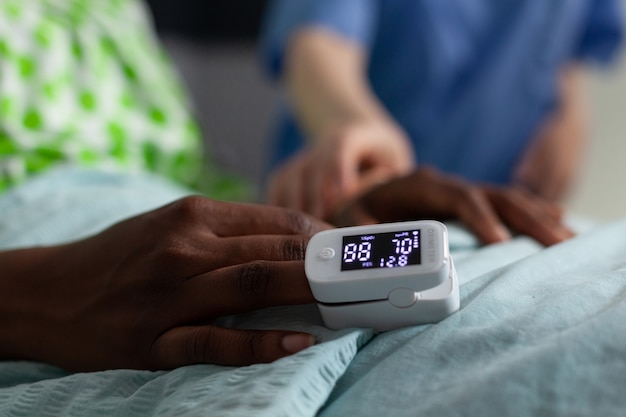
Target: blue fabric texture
(471, 82)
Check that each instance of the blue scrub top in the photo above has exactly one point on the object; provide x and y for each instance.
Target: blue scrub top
(470, 81)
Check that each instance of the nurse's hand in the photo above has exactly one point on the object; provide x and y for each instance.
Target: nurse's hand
(341, 165)
(551, 164)
(489, 212)
(143, 294)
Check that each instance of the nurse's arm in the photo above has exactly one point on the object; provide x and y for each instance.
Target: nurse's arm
(550, 166)
(355, 142)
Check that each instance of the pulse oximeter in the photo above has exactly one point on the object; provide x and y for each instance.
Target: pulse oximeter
(383, 276)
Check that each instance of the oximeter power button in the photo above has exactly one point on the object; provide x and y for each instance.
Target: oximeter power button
(326, 254)
(403, 297)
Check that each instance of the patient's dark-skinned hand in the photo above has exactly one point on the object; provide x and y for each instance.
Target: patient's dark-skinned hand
(143, 293)
(488, 211)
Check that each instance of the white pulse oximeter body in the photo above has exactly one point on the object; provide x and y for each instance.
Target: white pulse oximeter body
(383, 276)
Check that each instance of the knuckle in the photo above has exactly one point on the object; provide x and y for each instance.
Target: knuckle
(172, 254)
(472, 202)
(252, 346)
(471, 194)
(514, 197)
(298, 223)
(197, 347)
(226, 348)
(173, 250)
(191, 207)
(292, 249)
(253, 279)
(248, 346)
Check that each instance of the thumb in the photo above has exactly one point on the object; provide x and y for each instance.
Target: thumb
(209, 344)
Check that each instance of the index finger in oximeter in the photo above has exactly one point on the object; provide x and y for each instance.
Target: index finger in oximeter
(383, 276)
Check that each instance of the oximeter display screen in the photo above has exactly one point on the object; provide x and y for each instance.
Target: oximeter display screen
(381, 250)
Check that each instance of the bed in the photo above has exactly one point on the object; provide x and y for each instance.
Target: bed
(540, 332)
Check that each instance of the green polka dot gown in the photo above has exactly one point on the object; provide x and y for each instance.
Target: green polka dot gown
(84, 82)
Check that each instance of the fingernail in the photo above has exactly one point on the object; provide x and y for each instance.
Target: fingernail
(566, 234)
(296, 342)
(503, 233)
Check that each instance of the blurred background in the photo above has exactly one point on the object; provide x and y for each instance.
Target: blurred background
(213, 45)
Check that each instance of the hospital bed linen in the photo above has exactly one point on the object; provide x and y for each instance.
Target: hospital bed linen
(540, 332)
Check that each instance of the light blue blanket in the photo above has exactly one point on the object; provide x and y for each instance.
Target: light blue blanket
(540, 332)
